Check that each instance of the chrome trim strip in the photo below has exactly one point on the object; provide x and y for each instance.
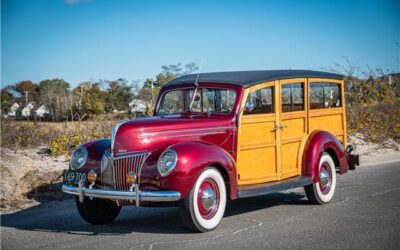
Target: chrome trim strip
(211, 133)
(182, 131)
(114, 131)
(130, 154)
(151, 196)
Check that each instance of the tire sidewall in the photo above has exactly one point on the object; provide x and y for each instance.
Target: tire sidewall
(209, 224)
(325, 198)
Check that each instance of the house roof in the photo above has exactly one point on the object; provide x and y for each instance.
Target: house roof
(250, 78)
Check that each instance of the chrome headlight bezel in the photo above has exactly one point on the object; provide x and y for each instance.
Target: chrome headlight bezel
(77, 161)
(162, 161)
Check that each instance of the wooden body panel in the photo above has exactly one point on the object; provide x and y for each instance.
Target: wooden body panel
(265, 155)
(257, 146)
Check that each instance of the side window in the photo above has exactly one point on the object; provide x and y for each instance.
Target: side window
(292, 97)
(261, 101)
(324, 95)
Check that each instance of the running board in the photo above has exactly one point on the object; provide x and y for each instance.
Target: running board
(272, 187)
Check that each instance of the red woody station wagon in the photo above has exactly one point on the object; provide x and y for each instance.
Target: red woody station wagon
(214, 137)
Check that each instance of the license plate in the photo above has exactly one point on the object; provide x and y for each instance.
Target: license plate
(73, 177)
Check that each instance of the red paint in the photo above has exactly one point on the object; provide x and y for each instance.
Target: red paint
(95, 150)
(147, 134)
(193, 158)
(200, 139)
(318, 143)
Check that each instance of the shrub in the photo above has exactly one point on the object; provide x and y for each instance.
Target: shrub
(25, 134)
(373, 107)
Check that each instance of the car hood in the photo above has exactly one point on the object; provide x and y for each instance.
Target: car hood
(146, 134)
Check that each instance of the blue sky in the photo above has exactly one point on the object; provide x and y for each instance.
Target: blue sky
(80, 40)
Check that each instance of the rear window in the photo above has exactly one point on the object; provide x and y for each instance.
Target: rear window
(325, 95)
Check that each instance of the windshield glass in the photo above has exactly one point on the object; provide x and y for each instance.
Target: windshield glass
(209, 100)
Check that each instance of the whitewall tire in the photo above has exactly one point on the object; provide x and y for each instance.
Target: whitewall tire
(203, 208)
(322, 192)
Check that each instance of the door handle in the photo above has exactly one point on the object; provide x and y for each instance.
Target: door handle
(278, 127)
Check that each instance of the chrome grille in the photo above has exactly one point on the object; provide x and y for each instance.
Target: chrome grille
(115, 169)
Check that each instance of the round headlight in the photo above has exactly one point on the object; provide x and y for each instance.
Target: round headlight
(78, 158)
(167, 162)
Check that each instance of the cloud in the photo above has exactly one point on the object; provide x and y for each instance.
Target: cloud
(76, 1)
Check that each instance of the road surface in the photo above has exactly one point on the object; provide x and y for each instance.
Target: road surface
(365, 214)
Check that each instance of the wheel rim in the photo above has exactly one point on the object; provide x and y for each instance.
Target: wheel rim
(325, 178)
(208, 198)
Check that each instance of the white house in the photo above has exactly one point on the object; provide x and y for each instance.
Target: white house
(41, 111)
(13, 109)
(138, 106)
(25, 110)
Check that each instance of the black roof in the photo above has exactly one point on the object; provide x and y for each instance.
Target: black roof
(250, 78)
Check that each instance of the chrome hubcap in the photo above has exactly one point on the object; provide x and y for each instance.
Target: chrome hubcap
(208, 198)
(324, 178)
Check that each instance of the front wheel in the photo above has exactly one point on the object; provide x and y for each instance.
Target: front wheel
(203, 208)
(97, 211)
(322, 192)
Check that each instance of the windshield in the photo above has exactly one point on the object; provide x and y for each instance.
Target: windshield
(208, 100)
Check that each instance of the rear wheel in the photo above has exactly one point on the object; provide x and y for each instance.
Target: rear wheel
(97, 211)
(203, 208)
(322, 192)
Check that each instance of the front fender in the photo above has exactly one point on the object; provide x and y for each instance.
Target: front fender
(95, 150)
(318, 143)
(193, 158)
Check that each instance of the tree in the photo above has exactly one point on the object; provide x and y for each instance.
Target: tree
(6, 101)
(30, 87)
(152, 87)
(118, 95)
(170, 72)
(90, 98)
(54, 94)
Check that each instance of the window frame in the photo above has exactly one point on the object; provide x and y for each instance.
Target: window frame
(273, 91)
(161, 100)
(324, 83)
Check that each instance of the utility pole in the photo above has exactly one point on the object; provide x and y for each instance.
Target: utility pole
(26, 97)
(152, 93)
(26, 104)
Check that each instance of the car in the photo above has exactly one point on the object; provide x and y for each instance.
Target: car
(216, 137)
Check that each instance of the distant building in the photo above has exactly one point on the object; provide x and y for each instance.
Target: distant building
(392, 78)
(138, 106)
(40, 111)
(24, 110)
(13, 109)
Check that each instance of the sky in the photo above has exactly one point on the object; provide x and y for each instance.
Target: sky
(81, 40)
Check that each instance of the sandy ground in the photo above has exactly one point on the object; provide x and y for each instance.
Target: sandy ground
(370, 153)
(31, 176)
(28, 176)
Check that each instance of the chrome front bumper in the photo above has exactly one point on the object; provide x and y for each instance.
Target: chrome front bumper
(137, 195)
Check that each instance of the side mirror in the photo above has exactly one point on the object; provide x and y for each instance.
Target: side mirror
(249, 107)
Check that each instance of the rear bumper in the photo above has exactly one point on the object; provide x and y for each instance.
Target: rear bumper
(137, 195)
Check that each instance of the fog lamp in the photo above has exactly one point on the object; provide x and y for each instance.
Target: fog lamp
(131, 178)
(91, 176)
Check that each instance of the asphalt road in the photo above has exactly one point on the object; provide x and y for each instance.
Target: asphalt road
(365, 214)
